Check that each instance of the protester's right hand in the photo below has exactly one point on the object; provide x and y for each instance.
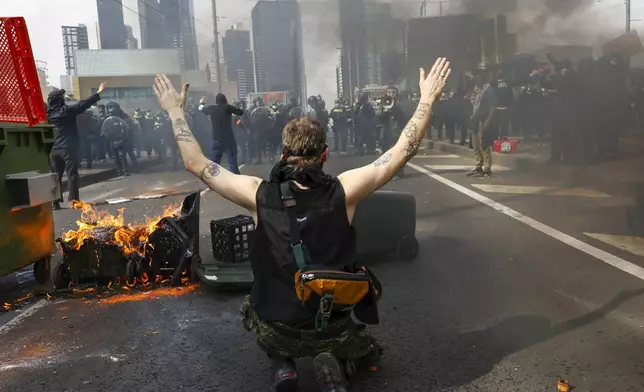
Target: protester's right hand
(202, 101)
(432, 84)
(101, 88)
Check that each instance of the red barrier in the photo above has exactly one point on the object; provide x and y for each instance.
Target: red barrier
(21, 99)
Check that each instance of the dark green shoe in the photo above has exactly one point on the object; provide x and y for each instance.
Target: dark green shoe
(329, 374)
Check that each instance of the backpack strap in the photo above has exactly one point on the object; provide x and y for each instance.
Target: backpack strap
(289, 206)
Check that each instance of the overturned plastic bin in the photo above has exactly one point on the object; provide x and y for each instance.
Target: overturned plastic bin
(26, 196)
(170, 252)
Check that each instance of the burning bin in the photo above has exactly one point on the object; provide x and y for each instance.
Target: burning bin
(231, 243)
(169, 248)
(26, 196)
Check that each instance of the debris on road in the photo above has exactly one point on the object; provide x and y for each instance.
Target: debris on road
(104, 246)
(563, 386)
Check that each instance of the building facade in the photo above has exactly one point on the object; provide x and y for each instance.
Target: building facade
(112, 33)
(74, 37)
(372, 46)
(179, 28)
(151, 21)
(239, 60)
(129, 74)
(275, 45)
(352, 69)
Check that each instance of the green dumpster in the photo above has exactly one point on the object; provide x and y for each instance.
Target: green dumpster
(27, 190)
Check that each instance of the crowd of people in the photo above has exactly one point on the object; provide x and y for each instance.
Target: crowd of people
(582, 108)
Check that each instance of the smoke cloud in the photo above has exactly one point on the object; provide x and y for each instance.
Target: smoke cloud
(321, 40)
(539, 23)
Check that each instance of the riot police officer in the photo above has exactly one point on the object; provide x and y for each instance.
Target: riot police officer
(341, 117)
(137, 138)
(262, 123)
(365, 126)
(162, 128)
(147, 132)
(116, 130)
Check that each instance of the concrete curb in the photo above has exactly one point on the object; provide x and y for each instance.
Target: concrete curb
(107, 174)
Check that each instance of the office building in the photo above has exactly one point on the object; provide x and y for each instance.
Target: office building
(74, 37)
(239, 60)
(372, 46)
(151, 20)
(179, 27)
(129, 74)
(246, 77)
(275, 46)
(353, 47)
(235, 44)
(112, 33)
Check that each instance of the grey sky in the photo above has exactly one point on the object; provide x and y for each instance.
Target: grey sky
(44, 20)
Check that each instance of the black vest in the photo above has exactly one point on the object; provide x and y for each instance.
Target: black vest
(326, 233)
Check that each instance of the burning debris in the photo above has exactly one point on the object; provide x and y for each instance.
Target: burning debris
(104, 246)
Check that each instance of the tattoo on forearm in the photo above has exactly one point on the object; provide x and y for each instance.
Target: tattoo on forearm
(209, 171)
(422, 110)
(411, 130)
(182, 132)
(412, 149)
(383, 159)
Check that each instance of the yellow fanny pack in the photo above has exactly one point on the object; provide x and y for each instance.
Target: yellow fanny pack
(319, 287)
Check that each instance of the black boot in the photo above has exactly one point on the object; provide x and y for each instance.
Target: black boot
(284, 375)
(329, 373)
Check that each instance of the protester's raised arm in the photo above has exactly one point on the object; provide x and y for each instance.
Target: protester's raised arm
(359, 183)
(239, 189)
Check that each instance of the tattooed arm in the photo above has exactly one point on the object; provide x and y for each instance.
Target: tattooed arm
(239, 189)
(361, 182)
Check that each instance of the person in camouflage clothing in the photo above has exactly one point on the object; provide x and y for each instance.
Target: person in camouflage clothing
(307, 221)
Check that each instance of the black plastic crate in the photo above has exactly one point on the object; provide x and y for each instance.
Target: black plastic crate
(231, 238)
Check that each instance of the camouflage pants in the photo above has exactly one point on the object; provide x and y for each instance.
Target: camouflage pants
(353, 344)
(482, 149)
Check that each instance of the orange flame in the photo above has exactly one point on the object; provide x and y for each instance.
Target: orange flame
(8, 305)
(149, 295)
(130, 238)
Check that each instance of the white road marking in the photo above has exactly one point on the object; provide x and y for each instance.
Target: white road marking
(590, 250)
(578, 192)
(634, 245)
(447, 156)
(519, 190)
(462, 168)
(540, 190)
(102, 196)
(14, 322)
(118, 200)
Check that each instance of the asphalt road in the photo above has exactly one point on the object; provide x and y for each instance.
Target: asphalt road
(494, 301)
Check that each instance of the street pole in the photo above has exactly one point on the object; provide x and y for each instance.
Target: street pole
(217, 65)
(628, 15)
(440, 3)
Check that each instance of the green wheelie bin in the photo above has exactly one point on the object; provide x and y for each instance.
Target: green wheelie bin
(27, 190)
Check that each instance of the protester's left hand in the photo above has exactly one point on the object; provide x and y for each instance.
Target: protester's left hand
(168, 97)
(101, 88)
